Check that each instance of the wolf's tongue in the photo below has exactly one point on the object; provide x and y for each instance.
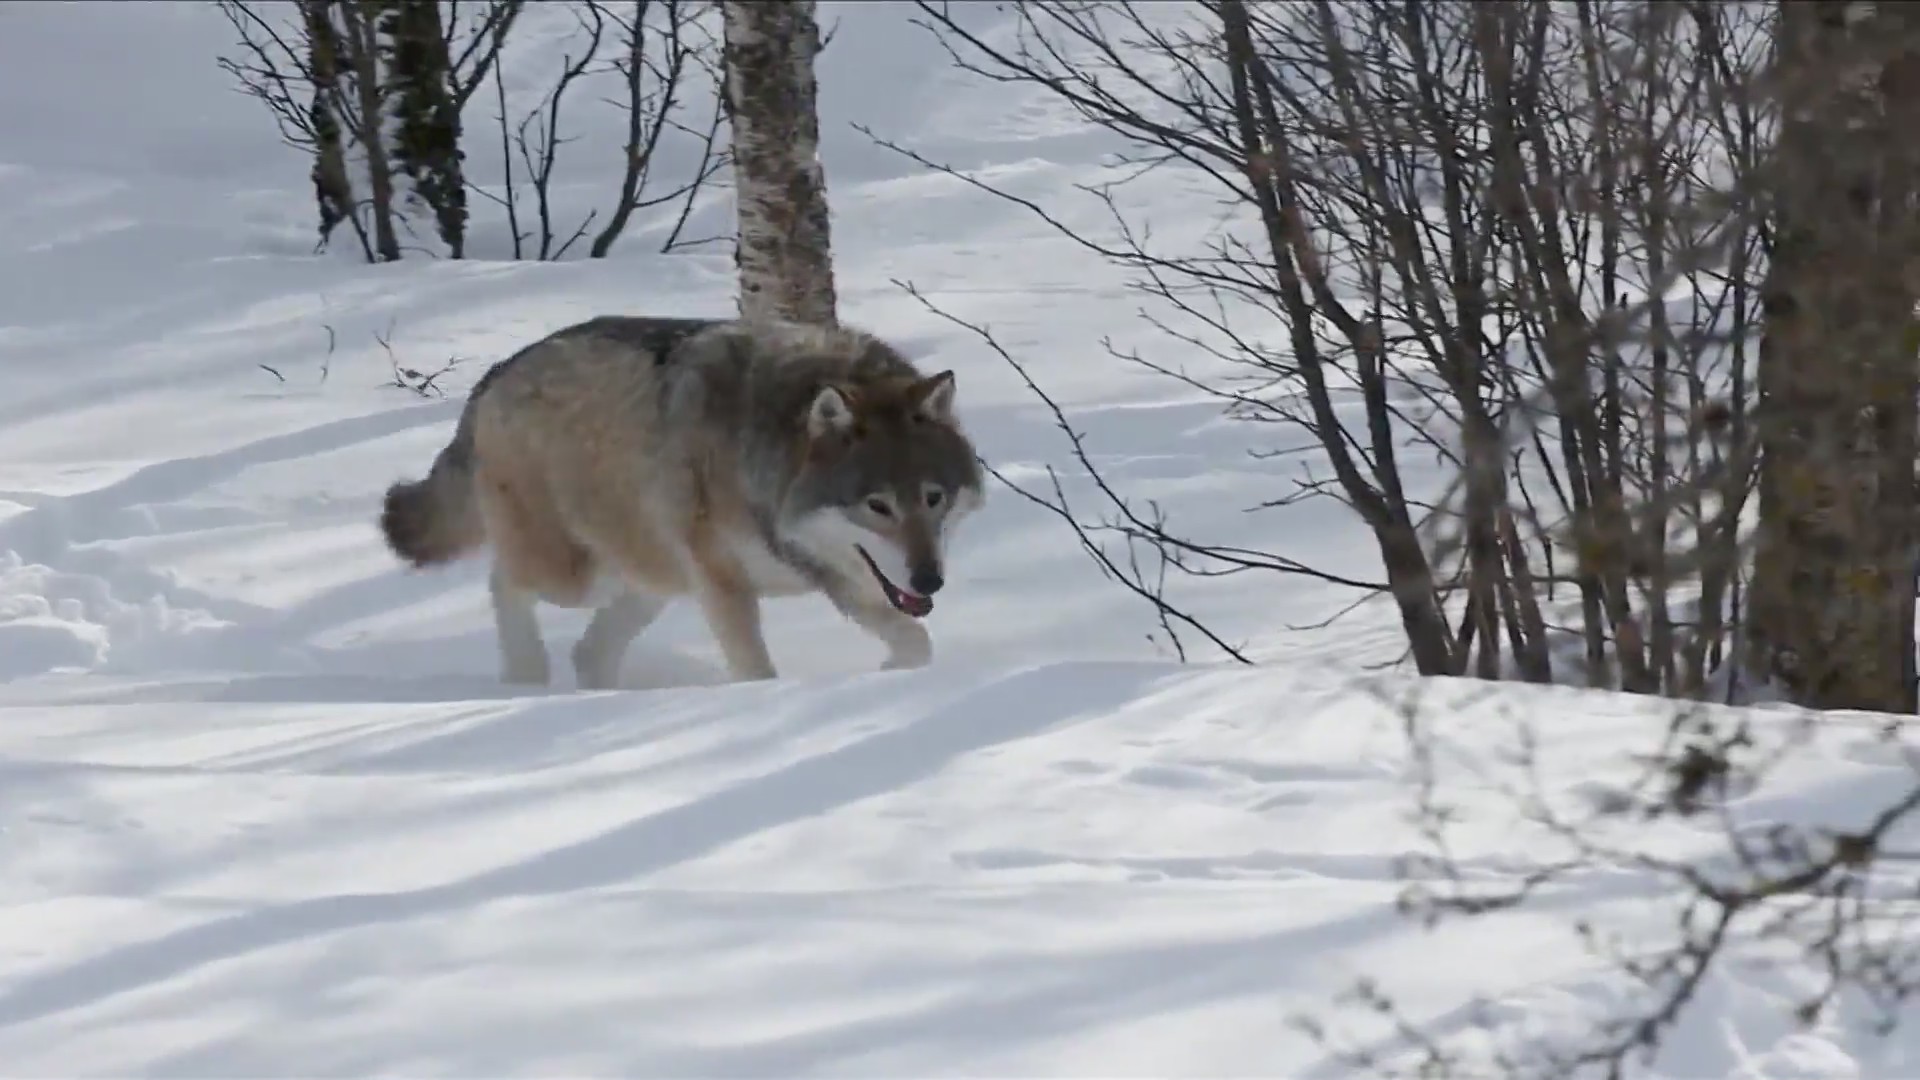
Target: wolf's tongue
(909, 603)
(906, 602)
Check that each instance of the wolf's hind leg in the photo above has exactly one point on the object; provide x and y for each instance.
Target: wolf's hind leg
(531, 545)
(602, 646)
(523, 653)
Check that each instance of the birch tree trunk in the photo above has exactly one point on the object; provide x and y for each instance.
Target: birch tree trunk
(784, 251)
(360, 32)
(332, 182)
(1832, 601)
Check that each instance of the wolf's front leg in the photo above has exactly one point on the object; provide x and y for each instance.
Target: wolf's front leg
(908, 645)
(732, 611)
(734, 617)
(907, 641)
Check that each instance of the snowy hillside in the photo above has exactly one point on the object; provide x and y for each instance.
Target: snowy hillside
(266, 810)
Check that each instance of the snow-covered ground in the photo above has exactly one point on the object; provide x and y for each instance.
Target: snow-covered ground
(265, 810)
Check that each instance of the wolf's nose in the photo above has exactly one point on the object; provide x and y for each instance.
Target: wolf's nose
(926, 582)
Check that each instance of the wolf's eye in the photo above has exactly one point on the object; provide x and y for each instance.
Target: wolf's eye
(879, 506)
(934, 498)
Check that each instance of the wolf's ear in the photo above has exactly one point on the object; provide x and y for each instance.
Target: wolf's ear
(830, 414)
(934, 395)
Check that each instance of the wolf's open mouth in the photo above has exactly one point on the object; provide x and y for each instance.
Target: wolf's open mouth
(907, 603)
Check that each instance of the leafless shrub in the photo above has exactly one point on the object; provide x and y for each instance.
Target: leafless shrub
(1429, 198)
(420, 380)
(375, 95)
(378, 95)
(665, 58)
(1820, 900)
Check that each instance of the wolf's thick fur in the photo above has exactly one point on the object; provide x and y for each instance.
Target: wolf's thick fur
(623, 462)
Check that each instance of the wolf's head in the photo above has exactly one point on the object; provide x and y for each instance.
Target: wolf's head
(887, 474)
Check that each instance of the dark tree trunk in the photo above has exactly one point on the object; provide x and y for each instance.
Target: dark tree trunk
(332, 183)
(1832, 600)
(426, 132)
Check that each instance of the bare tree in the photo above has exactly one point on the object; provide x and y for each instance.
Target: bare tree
(538, 140)
(305, 75)
(784, 250)
(319, 127)
(665, 60)
(366, 114)
(431, 87)
(655, 87)
(1434, 200)
(377, 93)
(374, 89)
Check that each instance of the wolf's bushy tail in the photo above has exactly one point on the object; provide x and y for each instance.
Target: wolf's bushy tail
(434, 520)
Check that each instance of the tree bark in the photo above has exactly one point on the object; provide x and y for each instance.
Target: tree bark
(426, 136)
(332, 183)
(363, 42)
(784, 251)
(1832, 600)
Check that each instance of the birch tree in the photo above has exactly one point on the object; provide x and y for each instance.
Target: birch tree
(784, 250)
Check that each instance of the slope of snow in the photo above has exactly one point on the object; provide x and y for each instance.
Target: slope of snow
(265, 809)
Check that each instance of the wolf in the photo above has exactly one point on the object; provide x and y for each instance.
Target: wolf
(626, 461)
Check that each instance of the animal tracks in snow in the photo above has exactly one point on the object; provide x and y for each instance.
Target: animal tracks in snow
(1192, 775)
(1254, 792)
(1242, 866)
(82, 583)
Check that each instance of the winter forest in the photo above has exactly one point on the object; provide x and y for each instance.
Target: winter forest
(1443, 606)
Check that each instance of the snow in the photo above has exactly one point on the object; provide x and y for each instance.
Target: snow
(266, 810)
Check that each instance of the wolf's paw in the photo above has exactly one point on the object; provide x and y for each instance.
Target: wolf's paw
(590, 678)
(912, 653)
(596, 666)
(595, 672)
(527, 672)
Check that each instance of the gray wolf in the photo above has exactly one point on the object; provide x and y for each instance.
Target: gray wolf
(623, 462)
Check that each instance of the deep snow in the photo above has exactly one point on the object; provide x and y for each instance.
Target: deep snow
(265, 810)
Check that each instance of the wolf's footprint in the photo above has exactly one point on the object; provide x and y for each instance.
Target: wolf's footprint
(1204, 773)
(1259, 865)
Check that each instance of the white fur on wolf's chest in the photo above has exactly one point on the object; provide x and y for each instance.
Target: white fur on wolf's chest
(770, 574)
